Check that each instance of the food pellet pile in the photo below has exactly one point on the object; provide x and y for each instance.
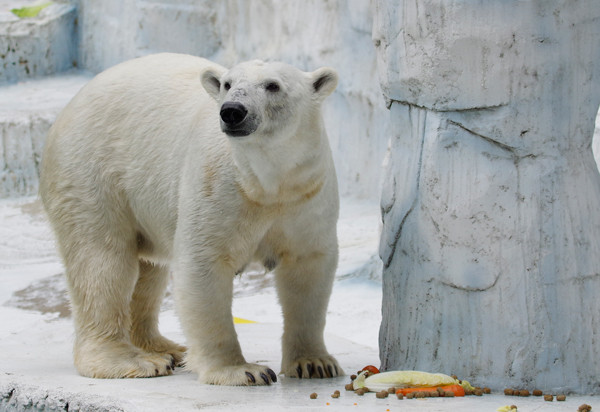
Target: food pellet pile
(536, 392)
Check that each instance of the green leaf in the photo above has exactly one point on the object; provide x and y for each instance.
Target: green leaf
(31, 11)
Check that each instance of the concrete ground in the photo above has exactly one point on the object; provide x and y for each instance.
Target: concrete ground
(37, 373)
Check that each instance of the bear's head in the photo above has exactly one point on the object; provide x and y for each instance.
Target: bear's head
(267, 99)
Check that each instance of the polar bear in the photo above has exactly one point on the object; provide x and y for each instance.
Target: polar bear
(174, 160)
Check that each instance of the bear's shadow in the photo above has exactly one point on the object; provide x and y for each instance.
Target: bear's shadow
(50, 295)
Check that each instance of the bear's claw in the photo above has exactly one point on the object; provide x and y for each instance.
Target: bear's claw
(325, 367)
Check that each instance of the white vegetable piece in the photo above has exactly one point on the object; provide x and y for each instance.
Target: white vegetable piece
(401, 379)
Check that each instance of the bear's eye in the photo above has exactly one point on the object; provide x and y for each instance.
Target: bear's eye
(227, 86)
(272, 87)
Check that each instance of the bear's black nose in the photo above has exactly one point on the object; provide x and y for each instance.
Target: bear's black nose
(233, 113)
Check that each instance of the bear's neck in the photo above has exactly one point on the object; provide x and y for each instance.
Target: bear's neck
(286, 171)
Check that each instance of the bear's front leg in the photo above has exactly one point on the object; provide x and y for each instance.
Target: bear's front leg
(304, 285)
(203, 297)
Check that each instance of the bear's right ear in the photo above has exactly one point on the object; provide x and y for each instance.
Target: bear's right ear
(211, 81)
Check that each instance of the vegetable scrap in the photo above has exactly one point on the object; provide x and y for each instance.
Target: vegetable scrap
(30, 11)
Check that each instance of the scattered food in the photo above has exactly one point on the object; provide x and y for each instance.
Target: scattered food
(382, 394)
(400, 395)
(584, 408)
(561, 398)
(392, 390)
(524, 392)
(548, 398)
(537, 392)
(349, 387)
(487, 391)
(335, 394)
(352, 377)
(313, 395)
(509, 392)
(361, 391)
(455, 390)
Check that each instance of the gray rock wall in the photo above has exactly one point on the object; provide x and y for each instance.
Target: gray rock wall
(491, 237)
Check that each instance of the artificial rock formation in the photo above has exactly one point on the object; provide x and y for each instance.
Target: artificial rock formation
(491, 237)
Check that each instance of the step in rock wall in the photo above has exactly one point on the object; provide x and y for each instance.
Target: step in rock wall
(27, 110)
(40, 46)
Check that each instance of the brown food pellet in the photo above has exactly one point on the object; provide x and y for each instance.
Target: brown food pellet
(391, 390)
(548, 398)
(399, 395)
(419, 395)
(361, 391)
(509, 392)
(584, 408)
(449, 394)
(513, 407)
(434, 394)
(524, 392)
(440, 391)
(561, 398)
(410, 395)
(335, 394)
(382, 394)
(487, 391)
(537, 392)
(468, 392)
(313, 395)
(349, 387)
(478, 392)
(352, 377)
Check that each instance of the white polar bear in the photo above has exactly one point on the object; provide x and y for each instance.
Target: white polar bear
(173, 159)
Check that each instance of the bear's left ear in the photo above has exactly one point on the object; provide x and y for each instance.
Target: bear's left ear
(211, 81)
(324, 82)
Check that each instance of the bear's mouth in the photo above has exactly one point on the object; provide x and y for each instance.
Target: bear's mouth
(236, 132)
(244, 128)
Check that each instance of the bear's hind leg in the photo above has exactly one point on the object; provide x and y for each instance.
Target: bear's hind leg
(145, 308)
(102, 272)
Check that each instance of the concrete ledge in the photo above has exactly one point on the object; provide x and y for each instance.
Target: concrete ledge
(27, 110)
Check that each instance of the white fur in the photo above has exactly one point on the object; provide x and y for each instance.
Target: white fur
(137, 174)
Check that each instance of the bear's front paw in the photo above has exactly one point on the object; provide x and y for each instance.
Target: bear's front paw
(317, 367)
(248, 374)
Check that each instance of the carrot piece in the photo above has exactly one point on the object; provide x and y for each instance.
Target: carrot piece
(457, 390)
